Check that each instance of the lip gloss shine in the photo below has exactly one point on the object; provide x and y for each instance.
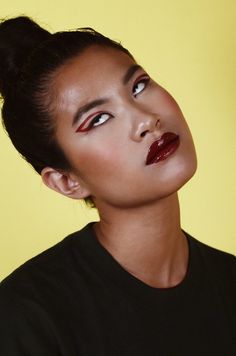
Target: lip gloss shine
(162, 148)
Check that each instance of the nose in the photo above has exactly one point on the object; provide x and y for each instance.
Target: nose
(145, 124)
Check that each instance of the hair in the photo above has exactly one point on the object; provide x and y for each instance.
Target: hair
(29, 58)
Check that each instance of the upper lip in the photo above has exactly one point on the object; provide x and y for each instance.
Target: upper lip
(158, 145)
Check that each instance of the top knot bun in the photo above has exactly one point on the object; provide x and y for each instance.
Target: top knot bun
(18, 38)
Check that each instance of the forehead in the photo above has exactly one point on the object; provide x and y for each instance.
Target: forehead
(93, 68)
(95, 73)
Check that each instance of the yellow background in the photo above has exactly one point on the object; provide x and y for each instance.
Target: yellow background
(187, 46)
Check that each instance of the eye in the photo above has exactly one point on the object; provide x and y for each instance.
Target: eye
(100, 119)
(93, 121)
(140, 85)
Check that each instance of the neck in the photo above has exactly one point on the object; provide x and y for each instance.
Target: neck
(147, 241)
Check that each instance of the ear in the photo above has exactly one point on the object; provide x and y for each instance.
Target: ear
(65, 183)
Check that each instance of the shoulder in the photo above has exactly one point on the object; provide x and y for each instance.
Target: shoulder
(217, 264)
(41, 293)
(213, 253)
(50, 265)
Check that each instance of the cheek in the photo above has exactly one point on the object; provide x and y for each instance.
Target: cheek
(95, 160)
(163, 103)
(169, 104)
(172, 112)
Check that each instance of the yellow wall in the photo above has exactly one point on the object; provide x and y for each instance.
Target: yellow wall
(190, 48)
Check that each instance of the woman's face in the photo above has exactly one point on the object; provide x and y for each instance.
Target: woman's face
(108, 114)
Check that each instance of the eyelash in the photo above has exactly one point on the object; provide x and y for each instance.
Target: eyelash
(92, 123)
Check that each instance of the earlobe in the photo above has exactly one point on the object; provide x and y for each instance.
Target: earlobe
(64, 183)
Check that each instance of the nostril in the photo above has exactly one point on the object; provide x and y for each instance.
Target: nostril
(143, 133)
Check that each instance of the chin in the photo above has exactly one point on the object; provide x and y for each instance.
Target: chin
(178, 175)
(185, 174)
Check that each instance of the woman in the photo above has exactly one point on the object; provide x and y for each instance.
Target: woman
(92, 122)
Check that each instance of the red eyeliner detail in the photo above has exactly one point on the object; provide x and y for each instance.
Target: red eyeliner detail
(81, 129)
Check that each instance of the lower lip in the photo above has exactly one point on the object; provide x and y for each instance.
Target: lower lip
(167, 151)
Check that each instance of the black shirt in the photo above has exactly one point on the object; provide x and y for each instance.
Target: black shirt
(76, 300)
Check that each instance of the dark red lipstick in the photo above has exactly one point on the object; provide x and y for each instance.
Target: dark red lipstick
(162, 148)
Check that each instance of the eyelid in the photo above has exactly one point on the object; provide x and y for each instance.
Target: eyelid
(81, 129)
(141, 77)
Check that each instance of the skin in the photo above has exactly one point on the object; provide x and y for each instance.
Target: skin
(137, 203)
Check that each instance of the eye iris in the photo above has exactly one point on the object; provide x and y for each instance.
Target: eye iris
(139, 87)
(101, 119)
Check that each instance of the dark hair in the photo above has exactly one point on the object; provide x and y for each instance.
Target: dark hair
(29, 57)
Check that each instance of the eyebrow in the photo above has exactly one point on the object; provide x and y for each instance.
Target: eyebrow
(130, 72)
(83, 109)
(97, 102)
